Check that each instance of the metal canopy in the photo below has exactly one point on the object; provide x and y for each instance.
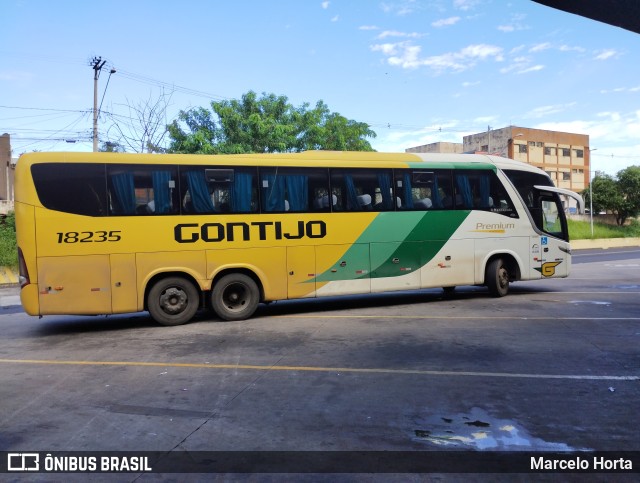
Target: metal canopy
(621, 13)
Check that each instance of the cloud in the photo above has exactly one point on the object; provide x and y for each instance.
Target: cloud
(540, 47)
(368, 27)
(397, 140)
(522, 64)
(407, 56)
(400, 8)
(605, 54)
(325, 5)
(394, 33)
(465, 5)
(569, 48)
(534, 68)
(335, 18)
(515, 24)
(620, 89)
(544, 111)
(445, 22)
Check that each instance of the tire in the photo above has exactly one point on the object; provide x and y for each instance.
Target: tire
(497, 278)
(235, 297)
(173, 301)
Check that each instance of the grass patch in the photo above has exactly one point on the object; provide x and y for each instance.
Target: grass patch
(8, 249)
(581, 230)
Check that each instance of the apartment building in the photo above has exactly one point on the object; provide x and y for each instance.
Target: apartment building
(564, 156)
(7, 172)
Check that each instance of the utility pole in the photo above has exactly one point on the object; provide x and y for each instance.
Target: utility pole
(97, 64)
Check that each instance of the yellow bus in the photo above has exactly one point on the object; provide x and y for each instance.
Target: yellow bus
(107, 233)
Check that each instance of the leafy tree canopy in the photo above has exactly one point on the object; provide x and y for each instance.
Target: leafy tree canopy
(266, 124)
(620, 195)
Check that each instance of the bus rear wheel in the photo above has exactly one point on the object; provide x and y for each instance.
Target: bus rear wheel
(497, 278)
(235, 297)
(173, 301)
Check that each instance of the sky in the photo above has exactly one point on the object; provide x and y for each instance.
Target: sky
(416, 71)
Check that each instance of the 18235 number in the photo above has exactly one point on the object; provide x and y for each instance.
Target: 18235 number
(89, 236)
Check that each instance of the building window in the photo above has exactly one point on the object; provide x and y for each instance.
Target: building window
(550, 151)
(522, 148)
(538, 144)
(484, 148)
(566, 176)
(566, 152)
(579, 153)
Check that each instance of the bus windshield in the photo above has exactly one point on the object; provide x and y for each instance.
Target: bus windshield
(546, 208)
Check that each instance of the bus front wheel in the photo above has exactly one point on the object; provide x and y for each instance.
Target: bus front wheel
(173, 301)
(497, 278)
(235, 297)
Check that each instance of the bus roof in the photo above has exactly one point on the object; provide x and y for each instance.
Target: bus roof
(306, 158)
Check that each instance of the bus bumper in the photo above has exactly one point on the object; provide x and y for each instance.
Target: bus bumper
(29, 299)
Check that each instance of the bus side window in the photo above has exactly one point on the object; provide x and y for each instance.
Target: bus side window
(296, 190)
(472, 190)
(442, 192)
(417, 190)
(219, 190)
(362, 190)
(76, 188)
(142, 190)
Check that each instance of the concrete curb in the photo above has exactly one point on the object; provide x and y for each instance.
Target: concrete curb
(605, 243)
(8, 276)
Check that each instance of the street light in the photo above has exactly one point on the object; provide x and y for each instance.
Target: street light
(591, 191)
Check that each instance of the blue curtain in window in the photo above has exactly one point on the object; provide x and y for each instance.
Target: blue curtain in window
(200, 198)
(464, 189)
(241, 192)
(485, 184)
(408, 195)
(125, 193)
(352, 194)
(384, 181)
(436, 199)
(161, 192)
(273, 194)
(297, 192)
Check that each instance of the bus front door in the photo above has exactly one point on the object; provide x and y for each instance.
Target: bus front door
(554, 256)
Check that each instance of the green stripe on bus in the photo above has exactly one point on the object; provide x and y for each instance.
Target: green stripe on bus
(411, 237)
(426, 239)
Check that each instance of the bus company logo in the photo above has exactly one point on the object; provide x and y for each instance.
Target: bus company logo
(23, 462)
(548, 269)
(262, 230)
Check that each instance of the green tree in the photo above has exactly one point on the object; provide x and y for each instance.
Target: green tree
(620, 195)
(267, 124)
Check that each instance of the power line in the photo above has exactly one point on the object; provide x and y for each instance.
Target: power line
(46, 109)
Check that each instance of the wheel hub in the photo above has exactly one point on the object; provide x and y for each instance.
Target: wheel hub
(173, 300)
(234, 296)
